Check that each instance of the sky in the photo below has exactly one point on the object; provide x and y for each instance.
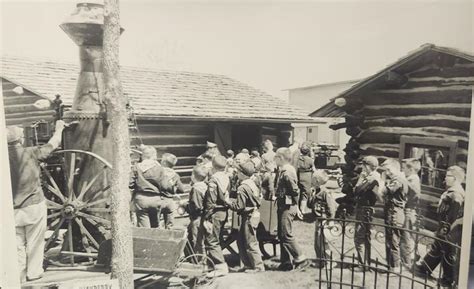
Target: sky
(270, 45)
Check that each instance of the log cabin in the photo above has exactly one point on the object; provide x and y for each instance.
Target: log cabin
(419, 106)
(174, 111)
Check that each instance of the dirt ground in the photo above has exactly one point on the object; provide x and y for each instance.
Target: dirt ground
(310, 278)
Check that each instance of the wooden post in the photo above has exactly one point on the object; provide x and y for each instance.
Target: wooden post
(122, 249)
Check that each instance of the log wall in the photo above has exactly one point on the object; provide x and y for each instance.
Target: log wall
(434, 103)
(19, 108)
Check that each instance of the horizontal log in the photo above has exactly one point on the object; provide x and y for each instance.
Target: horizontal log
(28, 120)
(175, 128)
(173, 139)
(394, 138)
(22, 108)
(381, 97)
(449, 121)
(372, 151)
(182, 150)
(438, 82)
(7, 85)
(423, 131)
(446, 72)
(20, 99)
(461, 110)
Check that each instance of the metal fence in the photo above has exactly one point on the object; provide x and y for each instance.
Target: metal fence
(341, 267)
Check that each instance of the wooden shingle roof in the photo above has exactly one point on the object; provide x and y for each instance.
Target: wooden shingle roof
(161, 94)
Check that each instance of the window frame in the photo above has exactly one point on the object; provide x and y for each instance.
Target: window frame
(450, 145)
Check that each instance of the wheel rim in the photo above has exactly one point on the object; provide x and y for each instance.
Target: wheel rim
(79, 204)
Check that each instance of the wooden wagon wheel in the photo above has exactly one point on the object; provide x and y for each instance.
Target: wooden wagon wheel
(79, 204)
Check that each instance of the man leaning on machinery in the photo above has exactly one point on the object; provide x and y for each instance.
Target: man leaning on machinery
(28, 199)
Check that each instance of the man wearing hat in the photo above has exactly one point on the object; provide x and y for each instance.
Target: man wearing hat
(28, 199)
(246, 205)
(215, 214)
(212, 149)
(366, 195)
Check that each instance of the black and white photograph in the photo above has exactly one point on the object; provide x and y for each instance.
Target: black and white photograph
(236, 144)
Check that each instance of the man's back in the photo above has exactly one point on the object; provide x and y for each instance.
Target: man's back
(25, 173)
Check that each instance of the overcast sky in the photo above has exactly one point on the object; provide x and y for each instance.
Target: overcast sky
(269, 45)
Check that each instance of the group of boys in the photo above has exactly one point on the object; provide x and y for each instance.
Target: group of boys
(398, 188)
(247, 180)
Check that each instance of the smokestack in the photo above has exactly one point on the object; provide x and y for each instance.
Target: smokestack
(85, 27)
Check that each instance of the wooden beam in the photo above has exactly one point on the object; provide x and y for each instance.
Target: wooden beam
(381, 97)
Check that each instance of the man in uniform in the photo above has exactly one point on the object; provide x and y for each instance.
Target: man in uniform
(366, 195)
(287, 193)
(395, 193)
(410, 168)
(450, 213)
(28, 199)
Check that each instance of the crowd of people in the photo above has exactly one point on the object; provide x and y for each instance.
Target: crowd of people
(239, 182)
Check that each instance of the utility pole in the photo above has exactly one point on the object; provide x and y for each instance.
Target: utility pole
(122, 249)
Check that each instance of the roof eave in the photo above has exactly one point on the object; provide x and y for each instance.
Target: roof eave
(224, 119)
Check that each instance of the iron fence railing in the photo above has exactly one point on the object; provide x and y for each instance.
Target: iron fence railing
(339, 266)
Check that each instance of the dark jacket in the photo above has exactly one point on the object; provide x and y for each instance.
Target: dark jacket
(216, 195)
(196, 198)
(396, 191)
(287, 184)
(451, 205)
(365, 195)
(248, 198)
(146, 177)
(414, 191)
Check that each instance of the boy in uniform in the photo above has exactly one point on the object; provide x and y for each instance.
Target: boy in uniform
(410, 168)
(195, 208)
(366, 195)
(246, 205)
(324, 207)
(170, 185)
(215, 214)
(450, 213)
(395, 192)
(287, 192)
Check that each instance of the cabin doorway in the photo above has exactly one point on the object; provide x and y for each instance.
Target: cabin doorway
(246, 136)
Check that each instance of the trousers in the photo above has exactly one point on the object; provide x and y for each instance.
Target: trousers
(247, 243)
(149, 207)
(212, 239)
(196, 236)
(395, 218)
(407, 240)
(321, 244)
(362, 237)
(30, 225)
(290, 251)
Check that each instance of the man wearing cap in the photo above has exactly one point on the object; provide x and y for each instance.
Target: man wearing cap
(366, 194)
(395, 193)
(215, 214)
(246, 205)
(28, 199)
(450, 215)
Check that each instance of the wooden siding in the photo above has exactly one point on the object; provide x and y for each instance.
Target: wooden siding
(434, 103)
(19, 108)
(183, 139)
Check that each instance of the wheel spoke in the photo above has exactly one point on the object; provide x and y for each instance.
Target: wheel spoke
(54, 223)
(86, 232)
(87, 186)
(69, 228)
(98, 210)
(54, 188)
(55, 233)
(54, 215)
(95, 203)
(70, 179)
(99, 193)
(53, 205)
(95, 218)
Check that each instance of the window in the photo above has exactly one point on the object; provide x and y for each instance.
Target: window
(436, 155)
